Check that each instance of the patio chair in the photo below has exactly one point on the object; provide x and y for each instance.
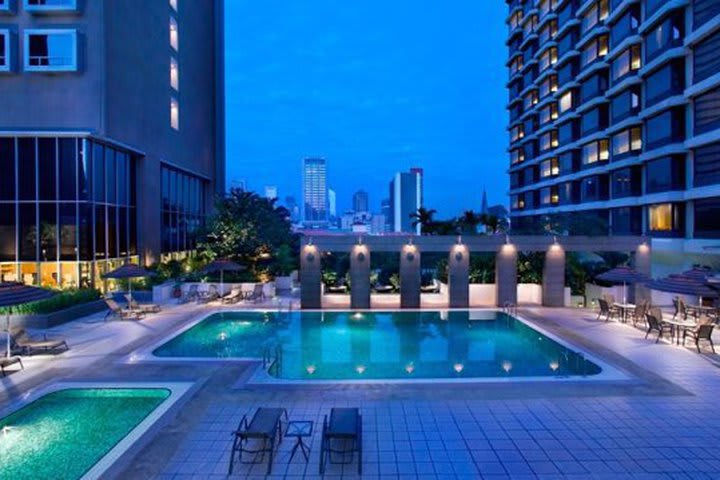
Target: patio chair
(266, 427)
(702, 331)
(639, 313)
(607, 309)
(655, 323)
(9, 361)
(123, 313)
(234, 296)
(142, 307)
(342, 435)
(676, 306)
(257, 294)
(209, 296)
(23, 342)
(609, 298)
(686, 311)
(191, 294)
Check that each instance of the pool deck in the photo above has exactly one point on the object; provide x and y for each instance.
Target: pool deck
(664, 423)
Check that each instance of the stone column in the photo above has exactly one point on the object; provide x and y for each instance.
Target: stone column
(310, 278)
(642, 263)
(506, 275)
(360, 277)
(553, 282)
(459, 277)
(410, 277)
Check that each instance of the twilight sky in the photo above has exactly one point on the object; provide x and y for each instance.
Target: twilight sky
(375, 87)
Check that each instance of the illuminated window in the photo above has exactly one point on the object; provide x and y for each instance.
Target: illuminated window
(629, 140)
(595, 152)
(628, 61)
(174, 74)
(174, 114)
(548, 58)
(566, 101)
(661, 217)
(173, 4)
(549, 168)
(174, 40)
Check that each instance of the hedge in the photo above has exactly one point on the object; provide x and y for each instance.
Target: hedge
(61, 301)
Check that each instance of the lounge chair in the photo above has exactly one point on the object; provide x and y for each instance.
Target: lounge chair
(655, 323)
(702, 331)
(337, 288)
(26, 344)
(234, 296)
(8, 361)
(257, 295)
(344, 428)
(142, 307)
(209, 296)
(380, 288)
(432, 288)
(123, 313)
(191, 294)
(265, 426)
(607, 309)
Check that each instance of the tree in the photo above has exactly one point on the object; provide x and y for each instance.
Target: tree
(493, 224)
(424, 218)
(247, 229)
(468, 222)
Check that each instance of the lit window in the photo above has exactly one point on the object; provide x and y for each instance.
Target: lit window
(4, 51)
(51, 5)
(595, 152)
(174, 74)
(174, 114)
(173, 4)
(174, 40)
(549, 168)
(51, 50)
(566, 101)
(627, 141)
(548, 58)
(661, 217)
(628, 61)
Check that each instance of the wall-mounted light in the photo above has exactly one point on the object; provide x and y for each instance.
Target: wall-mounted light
(360, 241)
(310, 241)
(459, 240)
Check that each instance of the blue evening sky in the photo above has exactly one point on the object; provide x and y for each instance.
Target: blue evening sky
(375, 87)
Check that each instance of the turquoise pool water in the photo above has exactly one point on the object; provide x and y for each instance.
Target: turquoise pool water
(381, 345)
(63, 434)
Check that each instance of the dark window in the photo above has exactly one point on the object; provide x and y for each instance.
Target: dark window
(652, 6)
(27, 231)
(627, 221)
(665, 174)
(707, 165)
(122, 231)
(7, 167)
(48, 232)
(707, 212)
(567, 72)
(100, 226)
(26, 169)
(665, 128)
(568, 193)
(665, 82)
(84, 174)
(567, 42)
(85, 233)
(626, 183)
(133, 231)
(98, 173)
(704, 10)
(625, 26)
(707, 111)
(666, 35)
(706, 58)
(68, 231)
(47, 178)
(595, 120)
(593, 189)
(594, 86)
(7, 233)
(68, 163)
(626, 104)
(568, 132)
(569, 162)
(112, 240)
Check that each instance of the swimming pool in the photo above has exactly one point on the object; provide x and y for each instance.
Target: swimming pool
(63, 434)
(381, 345)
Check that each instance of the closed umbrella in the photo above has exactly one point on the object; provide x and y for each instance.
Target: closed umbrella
(683, 285)
(220, 265)
(623, 275)
(12, 294)
(128, 271)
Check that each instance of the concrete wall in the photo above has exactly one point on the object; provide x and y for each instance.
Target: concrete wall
(529, 294)
(310, 277)
(482, 294)
(458, 280)
(410, 278)
(360, 277)
(553, 280)
(506, 275)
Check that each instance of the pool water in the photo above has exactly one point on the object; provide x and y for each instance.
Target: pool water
(381, 345)
(63, 434)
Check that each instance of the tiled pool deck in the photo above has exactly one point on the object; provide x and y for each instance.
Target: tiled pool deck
(663, 424)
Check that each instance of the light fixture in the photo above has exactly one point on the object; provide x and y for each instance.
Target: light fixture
(360, 369)
(222, 336)
(358, 316)
(458, 367)
(410, 241)
(360, 241)
(507, 366)
(410, 368)
(310, 369)
(554, 365)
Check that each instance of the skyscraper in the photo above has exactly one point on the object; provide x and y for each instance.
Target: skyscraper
(361, 201)
(332, 203)
(271, 192)
(111, 134)
(614, 115)
(405, 199)
(315, 195)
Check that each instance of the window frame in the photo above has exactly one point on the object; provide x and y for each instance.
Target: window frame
(72, 6)
(74, 67)
(8, 34)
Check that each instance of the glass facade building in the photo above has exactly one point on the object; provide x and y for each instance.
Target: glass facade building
(623, 121)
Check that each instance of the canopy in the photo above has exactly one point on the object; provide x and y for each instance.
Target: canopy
(12, 294)
(129, 270)
(622, 274)
(682, 285)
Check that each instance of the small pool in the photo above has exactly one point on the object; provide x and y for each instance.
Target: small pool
(63, 434)
(381, 345)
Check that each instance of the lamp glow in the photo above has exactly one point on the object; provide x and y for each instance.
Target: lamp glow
(410, 368)
(360, 369)
(507, 366)
(310, 369)
(222, 336)
(358, 316)
(458, 367)
(554, 365)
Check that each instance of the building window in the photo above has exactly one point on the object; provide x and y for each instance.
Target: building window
(628, 61)
(182, 207)
(174, 114)
(517, 133)
(625, 105)
(626, 25)
(174, 4)
(548, 58)
(706, 220)
(625, 182)
(549, 140)
(597, 13)
(598, 48)
(707, 165)
(549, 196)
(566, 101)
(530, 100)
(51, 51)
(42, 6)
(707, 111)
(548, 32)
(548, 113)
(594, 120)
(665, 128)
(627, 141)
(174, 74)
(593, 189)
(174, 34)
(548, 86)
(5, 51)
(667, 35)
(665, 174)
(665, 218)
(595, 152)
(549, 168)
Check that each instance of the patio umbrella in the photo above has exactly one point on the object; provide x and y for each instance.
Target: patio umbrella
(622, 275)
(128, 271)
(12, 294)
(683, 285)
(699, 274)
(220, 265)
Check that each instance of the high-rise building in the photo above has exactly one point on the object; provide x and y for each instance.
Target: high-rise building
(271, 192)
(405, 199)
(111, 134)
(315, 193)
(292, 207)
(386, 212)
(361, 201)
(614, 114)
(332, 203)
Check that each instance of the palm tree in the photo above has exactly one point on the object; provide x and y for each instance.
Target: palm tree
(469, 222)
(424, 218)
(493, 224)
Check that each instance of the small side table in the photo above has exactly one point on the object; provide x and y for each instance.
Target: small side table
(300, 430)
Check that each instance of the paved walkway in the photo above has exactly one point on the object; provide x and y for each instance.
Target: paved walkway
(664, 423)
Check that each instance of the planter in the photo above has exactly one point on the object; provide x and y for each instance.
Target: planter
(48, 320)
(283, 283)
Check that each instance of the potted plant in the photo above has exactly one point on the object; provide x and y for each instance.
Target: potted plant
(285, 263)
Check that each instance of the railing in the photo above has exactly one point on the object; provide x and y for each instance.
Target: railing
(272, 359)
(509, 308)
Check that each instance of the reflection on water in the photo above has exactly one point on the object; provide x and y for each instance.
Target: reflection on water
(382, 345)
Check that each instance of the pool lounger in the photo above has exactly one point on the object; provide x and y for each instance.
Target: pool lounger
(266, 426)
(8, 361)
(345, 426)
(26, 344)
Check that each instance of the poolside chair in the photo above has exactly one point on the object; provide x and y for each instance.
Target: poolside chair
(609, 298)
(123, 313)
(341, 435)
(142, 307)
(702, 331)
(380, 288)
(209, 296)
(338, 288)
(26, 344)
(676, 306)
(234, 296)
(639, 313)
(686, 312)
(434, 287)
(8, 361)
(257, 294)
(607, 309)
(191, 294)
(655, 323)
(266, 427)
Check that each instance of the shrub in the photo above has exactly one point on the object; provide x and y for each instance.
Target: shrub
(61, 301)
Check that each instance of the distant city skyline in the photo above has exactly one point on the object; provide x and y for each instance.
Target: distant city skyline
(374, 88)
